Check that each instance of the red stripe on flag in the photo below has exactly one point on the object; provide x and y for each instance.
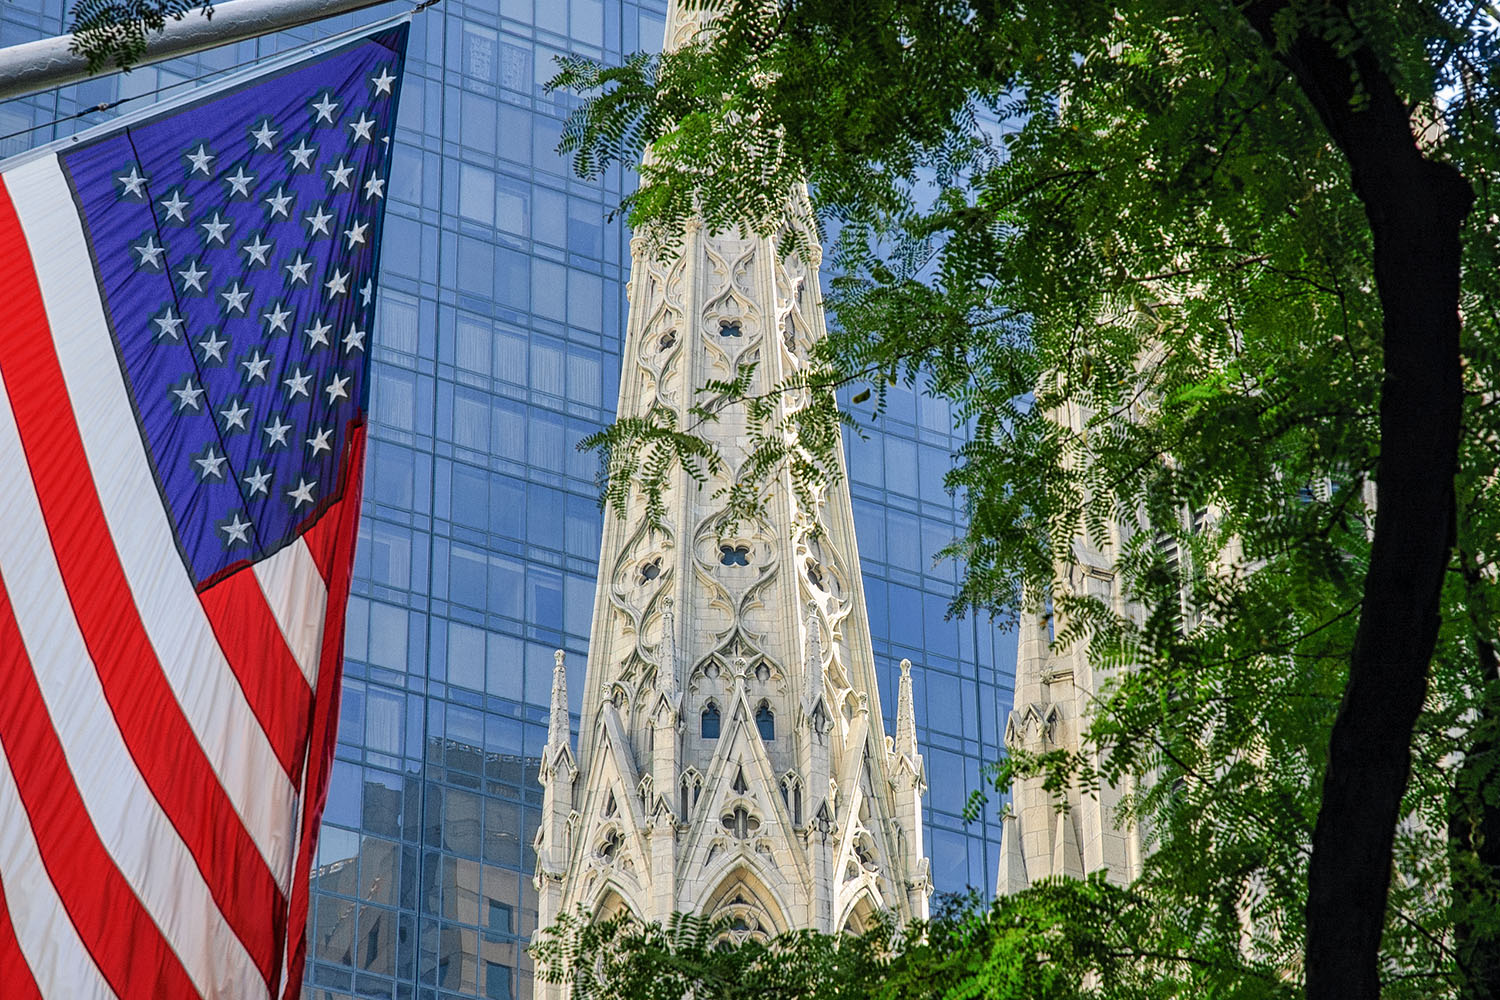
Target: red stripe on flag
(158, 736)
(15, 974)
(124, 942)
(323, 538)
(256, 650)
(332, 543)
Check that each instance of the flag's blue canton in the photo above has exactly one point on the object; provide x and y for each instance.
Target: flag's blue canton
(236, 242)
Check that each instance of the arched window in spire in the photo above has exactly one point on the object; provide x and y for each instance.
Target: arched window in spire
(765, 721)
(791, 794)
(692, 787)
(710, 727)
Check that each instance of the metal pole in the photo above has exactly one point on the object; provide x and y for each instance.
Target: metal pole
(49, 62)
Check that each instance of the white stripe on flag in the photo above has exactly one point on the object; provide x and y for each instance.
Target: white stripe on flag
(44, 931)
(295, 590)
(194, 665)
(131, 825)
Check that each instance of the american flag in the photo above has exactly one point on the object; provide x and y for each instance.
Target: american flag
(187, 301)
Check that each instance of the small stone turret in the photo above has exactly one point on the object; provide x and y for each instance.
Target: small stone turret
(909, 781)
(1057, 689)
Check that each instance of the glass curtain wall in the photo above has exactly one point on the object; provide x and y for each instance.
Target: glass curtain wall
(501, 310)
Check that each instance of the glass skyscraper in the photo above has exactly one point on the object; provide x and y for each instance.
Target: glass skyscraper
(501, 309)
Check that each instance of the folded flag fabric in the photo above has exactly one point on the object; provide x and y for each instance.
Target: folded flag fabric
(187, 300)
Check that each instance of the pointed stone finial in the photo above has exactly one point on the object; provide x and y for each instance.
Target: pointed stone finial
(814, 649)
(906, 715)
(814, 703)
(557, 727)
(1011, 878)
(667, 678)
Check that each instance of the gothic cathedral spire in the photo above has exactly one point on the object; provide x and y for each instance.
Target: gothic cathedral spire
(732, 758)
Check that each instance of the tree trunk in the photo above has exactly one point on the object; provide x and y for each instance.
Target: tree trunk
(1416, 209)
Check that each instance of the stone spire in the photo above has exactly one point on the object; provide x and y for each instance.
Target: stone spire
(732, 759)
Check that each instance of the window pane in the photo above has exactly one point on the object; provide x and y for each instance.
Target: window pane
(471, 419)
(510, 357)
(385, 712)
(473, 353)
(547, 366)
(549, 289)
(398, 322)
(465, 656)
(388, 636)
(476, 194)
(513, 206)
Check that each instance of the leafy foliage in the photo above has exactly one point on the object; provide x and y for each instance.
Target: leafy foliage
(1150, 294)
(1062, 940)
(116, 31)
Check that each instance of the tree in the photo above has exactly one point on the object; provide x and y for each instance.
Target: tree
(1239, 237)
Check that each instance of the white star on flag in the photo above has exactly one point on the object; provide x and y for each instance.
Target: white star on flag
(134, 183)
(354, 340)
(168, 324)
(175, 206)
(383, 81)
(215, 229)
(234, 299)
(264, 135)
(298, 270)
(256, 249)
(362, 127)
(237, 530)
(213, 346)
(192, 277)
(276, 432)
(280, 203)
(319, 220)
(276, 318)
(201, 160)
(317, 334)
(338, 284)
(149, 251)
(319, 441)
(302, 494)
(255, 367)
(302, 155)
(187, 396)
(239, 182)
(326, 107)
(296, 384)
(340, 175)
(234, 414)
(337, 388)
(211, 463)
(258, 481)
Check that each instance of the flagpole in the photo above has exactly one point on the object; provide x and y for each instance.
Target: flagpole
(51, 62)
